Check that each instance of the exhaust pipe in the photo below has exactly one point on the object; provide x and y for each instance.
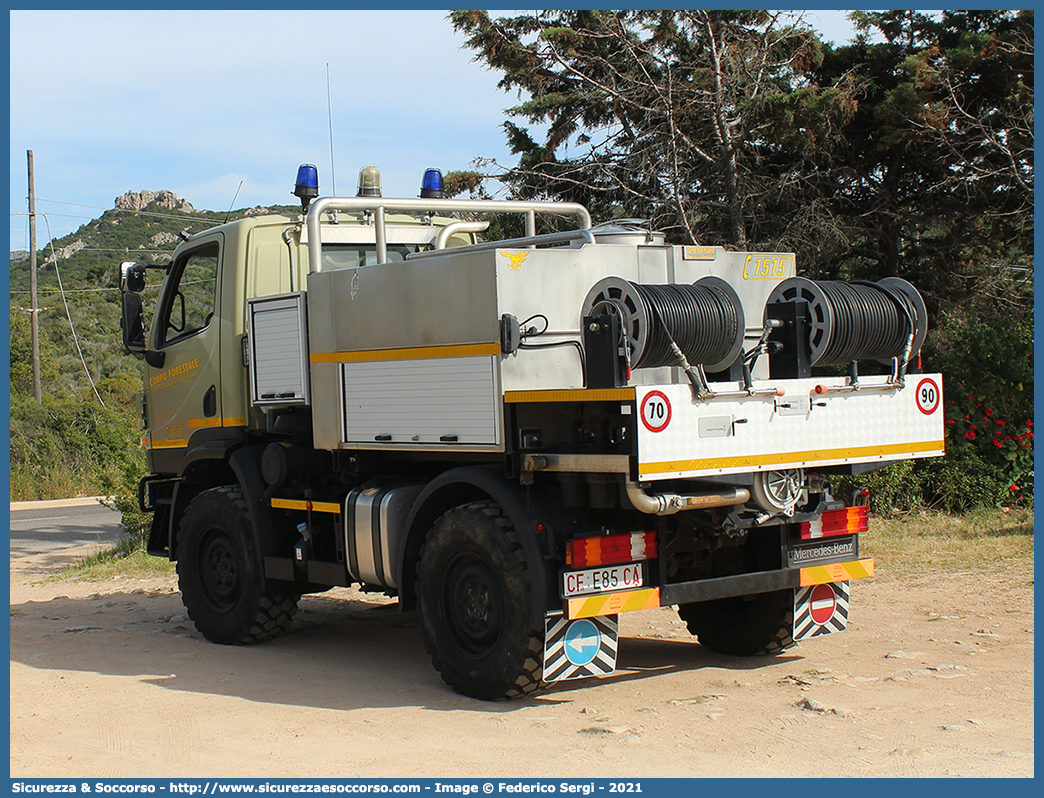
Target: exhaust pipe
(671, 503)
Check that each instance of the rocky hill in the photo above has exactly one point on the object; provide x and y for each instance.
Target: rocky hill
(141, 225)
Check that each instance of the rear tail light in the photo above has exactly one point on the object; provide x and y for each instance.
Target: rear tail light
(846, 521)
(611, 549)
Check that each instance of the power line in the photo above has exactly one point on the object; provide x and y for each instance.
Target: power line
(63, 215)
(67, 290)
(122, 210)
(127, 250)
(68, 315)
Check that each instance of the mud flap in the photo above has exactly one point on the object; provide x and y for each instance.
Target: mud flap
(579, 648)
(820, 610)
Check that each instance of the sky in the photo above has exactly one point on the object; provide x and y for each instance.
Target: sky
(221, 107)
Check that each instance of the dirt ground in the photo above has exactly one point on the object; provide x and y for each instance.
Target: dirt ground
(934, 677)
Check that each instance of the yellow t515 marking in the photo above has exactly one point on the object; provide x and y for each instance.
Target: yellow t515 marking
(613, 603)
(295, 504)
(836, 572)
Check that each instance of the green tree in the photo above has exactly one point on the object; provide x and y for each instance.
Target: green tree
(661, 114)
(937, 178)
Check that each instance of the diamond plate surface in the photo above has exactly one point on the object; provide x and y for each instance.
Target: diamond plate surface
(874, 424)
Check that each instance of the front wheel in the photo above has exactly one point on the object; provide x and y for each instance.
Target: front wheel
(219, 573)
(743, 625)
(475, 604)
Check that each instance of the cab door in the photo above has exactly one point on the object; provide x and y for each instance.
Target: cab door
(183, 392)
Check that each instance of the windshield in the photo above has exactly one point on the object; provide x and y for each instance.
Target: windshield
(351, 256)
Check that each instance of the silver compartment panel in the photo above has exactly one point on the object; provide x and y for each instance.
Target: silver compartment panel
(422, 401)
(278, 329)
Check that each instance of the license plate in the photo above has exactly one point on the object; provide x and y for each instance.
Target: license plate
(602, 580)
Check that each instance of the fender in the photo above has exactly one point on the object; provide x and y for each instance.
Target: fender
(246, 463)
(208, 451)
(225, 459)
(523, 507)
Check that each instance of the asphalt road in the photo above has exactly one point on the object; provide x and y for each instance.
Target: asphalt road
(57, 531)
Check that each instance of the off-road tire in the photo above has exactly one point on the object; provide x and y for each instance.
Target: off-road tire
(219, 573)
(475, 605)
(743, 625)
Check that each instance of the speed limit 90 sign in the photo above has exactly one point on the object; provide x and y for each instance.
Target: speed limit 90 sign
(928, 396)
(656, 411)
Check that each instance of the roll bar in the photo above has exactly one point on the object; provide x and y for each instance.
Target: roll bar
(378, 205)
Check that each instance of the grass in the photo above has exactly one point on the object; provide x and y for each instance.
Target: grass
(112, 564)
(35, 484)
(925, 541)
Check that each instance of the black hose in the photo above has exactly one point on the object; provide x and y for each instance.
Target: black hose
(702, 320)
(857, 320)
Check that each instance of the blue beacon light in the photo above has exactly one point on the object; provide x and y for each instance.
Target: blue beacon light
(307, 187)
(431, 184)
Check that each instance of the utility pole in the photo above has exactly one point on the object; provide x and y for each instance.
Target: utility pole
(34, 310)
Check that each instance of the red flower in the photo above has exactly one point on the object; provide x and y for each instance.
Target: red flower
(1013, 487)
(1000, 422)
(972, 426)
(996, 443)
(965, 416)
(988, 411)
(970, 435)
(1017, 438)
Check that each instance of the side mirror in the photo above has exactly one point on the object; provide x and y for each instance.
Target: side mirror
(132, 277)
(133, 323)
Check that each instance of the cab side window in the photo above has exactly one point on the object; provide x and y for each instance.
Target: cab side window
(189, 306)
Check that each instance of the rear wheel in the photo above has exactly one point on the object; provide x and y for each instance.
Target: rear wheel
(743, 625)
(475, 603)
(219, 572)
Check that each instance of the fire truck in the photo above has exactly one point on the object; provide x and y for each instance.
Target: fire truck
(519, 439)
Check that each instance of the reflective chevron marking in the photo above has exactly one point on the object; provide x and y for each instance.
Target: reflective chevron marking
(820, 610)
(574, 649)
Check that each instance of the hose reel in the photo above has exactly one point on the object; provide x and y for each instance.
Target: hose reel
(704, 319)
(858, 320)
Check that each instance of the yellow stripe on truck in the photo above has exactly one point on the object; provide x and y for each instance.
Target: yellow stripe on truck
(413, 353)
(175, 444)
(296, 504)
(206, 423)
(613, 603)
(836, 572)
(571, 395)
(813, 455)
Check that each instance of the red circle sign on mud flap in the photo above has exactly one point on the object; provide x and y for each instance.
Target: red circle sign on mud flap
(928, 396)
(822, 604)
(656, 411)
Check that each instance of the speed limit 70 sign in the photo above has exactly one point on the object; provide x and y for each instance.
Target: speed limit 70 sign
(656, 411)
